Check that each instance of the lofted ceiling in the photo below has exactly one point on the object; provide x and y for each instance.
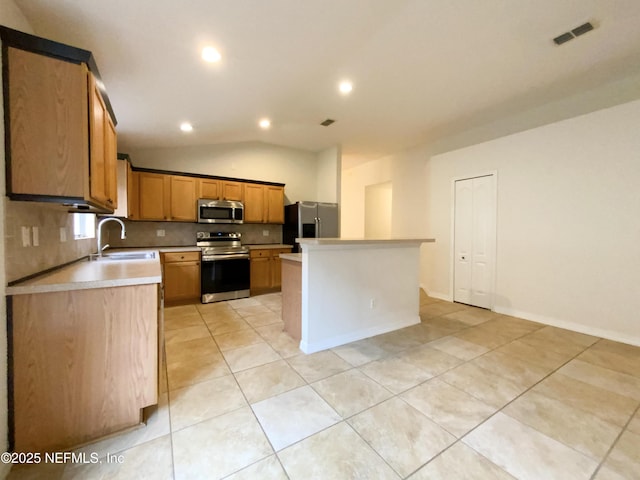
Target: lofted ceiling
(421, 69)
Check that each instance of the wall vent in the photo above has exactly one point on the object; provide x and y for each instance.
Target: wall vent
(327, 122)
(576, 32)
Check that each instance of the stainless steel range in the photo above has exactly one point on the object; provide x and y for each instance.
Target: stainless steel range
(225, 266)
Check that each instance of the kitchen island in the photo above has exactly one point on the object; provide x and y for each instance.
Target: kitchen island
(350, 289)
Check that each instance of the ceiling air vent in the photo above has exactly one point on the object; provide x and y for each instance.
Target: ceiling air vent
(327, 122)
(587, 27)
(576, 32)
(565, 37)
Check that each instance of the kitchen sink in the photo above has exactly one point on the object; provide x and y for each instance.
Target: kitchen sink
(119, 256)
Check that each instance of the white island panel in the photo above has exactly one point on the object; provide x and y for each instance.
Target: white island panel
(354, 289)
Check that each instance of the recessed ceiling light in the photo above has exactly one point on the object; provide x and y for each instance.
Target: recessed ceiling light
(210, 54)
(186, 127)
(264, 123)
(345, 87)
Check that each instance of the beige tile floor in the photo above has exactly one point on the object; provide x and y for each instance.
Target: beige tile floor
(466, 394)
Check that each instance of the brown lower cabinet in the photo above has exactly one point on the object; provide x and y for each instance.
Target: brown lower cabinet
(85, 364)
(181, 274)
(266, 274)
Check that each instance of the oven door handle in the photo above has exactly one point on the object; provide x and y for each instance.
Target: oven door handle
(234, 256)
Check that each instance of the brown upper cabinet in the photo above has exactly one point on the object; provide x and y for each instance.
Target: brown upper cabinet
(133, 197)
(183, 199)
(158, 195)
(232, 191)
(254, 203)
(122, 180)
(166, 197)
(62, 135)
(152, 189)
(274, 202)
(210, 189)
(263, 203)
(103, 169)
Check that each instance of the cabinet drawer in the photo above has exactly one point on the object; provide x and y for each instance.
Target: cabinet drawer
(259, 253)
(181, 257)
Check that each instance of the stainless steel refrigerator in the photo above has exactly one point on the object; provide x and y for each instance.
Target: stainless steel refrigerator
(310, 220)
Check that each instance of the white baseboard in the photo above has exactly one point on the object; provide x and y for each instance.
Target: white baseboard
(554, 322)
(332, 342)
(439, 296)
(576, 327)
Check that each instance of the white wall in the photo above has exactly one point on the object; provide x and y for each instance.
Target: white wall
(297, 169)
(378, 200)
(328, 175)
(568, 221)
(354, 182)
(406, 172)
(10, 16)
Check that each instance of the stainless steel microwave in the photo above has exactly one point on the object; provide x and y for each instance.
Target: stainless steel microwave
(220, 211)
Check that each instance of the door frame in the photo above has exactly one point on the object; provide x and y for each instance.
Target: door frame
(494, 229)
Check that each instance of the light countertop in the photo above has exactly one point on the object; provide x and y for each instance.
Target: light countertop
(363, 241)
(294, 257)
(85, 274)
(192, 248)
(267, 246)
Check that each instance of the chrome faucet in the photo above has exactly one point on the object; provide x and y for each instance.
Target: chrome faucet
(123, 235)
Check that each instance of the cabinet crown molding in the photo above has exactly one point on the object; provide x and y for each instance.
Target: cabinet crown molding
(198, 175)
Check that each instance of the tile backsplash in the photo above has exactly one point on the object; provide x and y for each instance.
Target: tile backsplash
(51, 252)
(49, 219)
(145, 234)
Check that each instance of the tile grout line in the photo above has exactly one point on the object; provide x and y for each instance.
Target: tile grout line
(497, 411)
(171, 431)
(307, 383)
(248, 405)
(166, 372)
(615, 442)
(509, 403)
(459, 439)
(275, 453)
(253, 413)
(391, 355)
(343, 419)
(398, 396)
(393, 395)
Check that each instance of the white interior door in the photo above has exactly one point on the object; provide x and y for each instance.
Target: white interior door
(474, 240)
(463, 240)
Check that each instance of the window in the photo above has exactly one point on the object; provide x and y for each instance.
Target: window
(84, 225)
